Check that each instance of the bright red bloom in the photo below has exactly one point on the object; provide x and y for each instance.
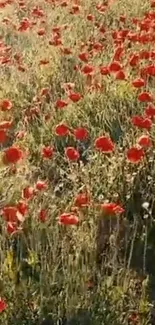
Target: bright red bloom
(11, 228)
(141, 122)
(145, 97)
(10, 213)
(5, 105)
(149, 70)
(111, 209)
(118, 53)
(3, 305)
(104, 70)
(80, 133)
(88, 69)
(144, 141)
(24, 25)
(47, 152)
(150, 111)
(82, 199)
(68, 219)
(135, 155)
(62, 130)
(22, 207)
(134, 60)
(3, 136)
(75, 97)
(83, 56)
(104, 144)
(28, 192)
(61, 103)
(43, 215)
(115, 67)
(12, 155)
(120, 75)
(41, 185)
(72, 154)
(138, 83)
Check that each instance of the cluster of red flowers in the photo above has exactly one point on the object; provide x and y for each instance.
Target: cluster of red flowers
(136, 68)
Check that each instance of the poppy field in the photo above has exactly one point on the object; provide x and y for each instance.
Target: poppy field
(77, 162)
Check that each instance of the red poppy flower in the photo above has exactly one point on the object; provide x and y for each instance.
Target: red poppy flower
(135, 155)
(47, 152)
(104, 70)
(3, 305)
(61, 103)
(144, 141)
(42, 215)
(120, 75)
(111, 209)
(68, 219)
(41, 185)
(10, 213)
(104, 144)
(118, 53)
(82, 199)
(11, 228)
(141, 122)
(134, 60)
(22, 207)
(138, 83)
(28, 192)
(12, 155)
(87, 69)
(149, 70)
(83, 56)
(72, 154)
(90, 17)
(115, 67)
(62, 130)
(145, 97)
(80, 133)
(5, 105)
(3, 136)
(75, 97)
(150, 111)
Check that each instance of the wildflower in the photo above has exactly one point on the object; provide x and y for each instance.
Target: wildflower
(41, 185)
(61, 130)
(141, 122)
(104, 144)
(82, 199)
(3, 305)
(75, 97)
(145, 97)
(5, 105)
(144, 141)
(72, 154)
(68, 219)
(111, 209)
(135, 155)
(80, 133)
(47, 152)
(28, 192)
(12, 155)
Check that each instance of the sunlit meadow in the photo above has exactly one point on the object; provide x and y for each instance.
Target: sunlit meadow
(77, 171)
